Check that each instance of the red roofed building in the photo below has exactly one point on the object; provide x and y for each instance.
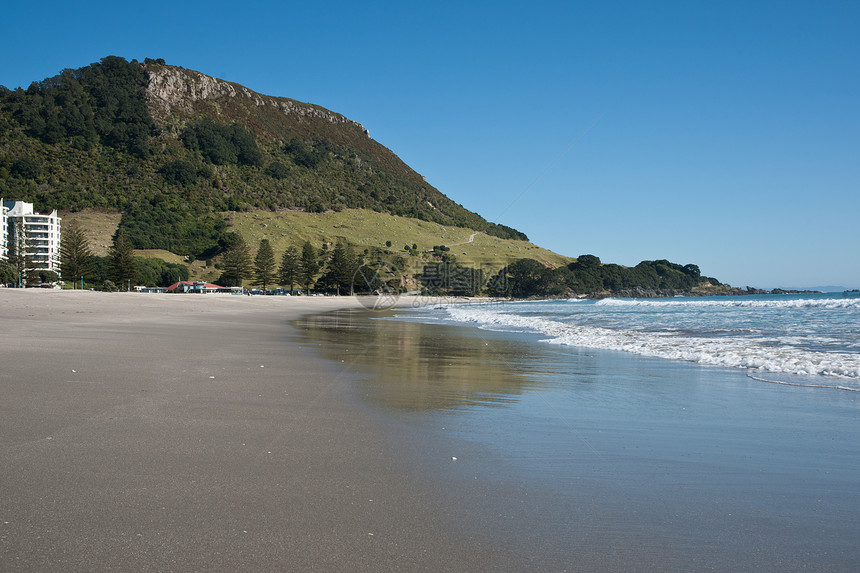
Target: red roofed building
(198, 287)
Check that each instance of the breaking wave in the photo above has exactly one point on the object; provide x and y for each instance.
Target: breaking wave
(818, 303)
(733, 349)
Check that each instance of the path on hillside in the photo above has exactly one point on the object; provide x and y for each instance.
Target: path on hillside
(471, 240)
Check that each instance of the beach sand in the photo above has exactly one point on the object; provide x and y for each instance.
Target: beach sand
(181, 432)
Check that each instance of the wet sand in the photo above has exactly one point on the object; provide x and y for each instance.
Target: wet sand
(181, 432)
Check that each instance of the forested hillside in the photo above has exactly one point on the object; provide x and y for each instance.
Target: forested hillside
(173, 150)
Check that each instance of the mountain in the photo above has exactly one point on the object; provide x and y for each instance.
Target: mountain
(183, 163)
(175, 150)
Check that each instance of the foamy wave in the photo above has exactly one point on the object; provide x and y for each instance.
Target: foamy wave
(853, 303)
(769, 355)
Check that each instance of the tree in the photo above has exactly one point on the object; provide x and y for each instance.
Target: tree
(308, 265)
(236, 262)
(26, 168)
(222, 144)
(8, 274)
(587, 274)
(369, 279)
(586, 262)
(277, 170)
(179, 172)
(157, 272)
(342, 267)
(692, 270)
(288, 273)
(264, 265)
(305, 154)
(525, 277)
(452, 278)
(76, 259)
(122, 262)
(20, 255)
(48, 277)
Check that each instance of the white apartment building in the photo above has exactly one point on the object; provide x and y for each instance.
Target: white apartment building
(42, 233)
(3, 229)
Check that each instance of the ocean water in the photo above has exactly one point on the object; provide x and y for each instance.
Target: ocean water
(809, 339)
(626, 435)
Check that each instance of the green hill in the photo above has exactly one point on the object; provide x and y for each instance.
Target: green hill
(173, 150)
(183, 162)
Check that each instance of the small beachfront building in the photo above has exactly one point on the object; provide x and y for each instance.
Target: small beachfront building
(197, 287)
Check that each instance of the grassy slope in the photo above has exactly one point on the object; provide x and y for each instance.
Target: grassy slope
(100, 226)
(360, 227)
(365, 228)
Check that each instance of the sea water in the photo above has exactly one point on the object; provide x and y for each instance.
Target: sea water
(809, 339)
(629, 435)
(649, 425)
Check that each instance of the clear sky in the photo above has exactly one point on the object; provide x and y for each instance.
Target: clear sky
(725, 134)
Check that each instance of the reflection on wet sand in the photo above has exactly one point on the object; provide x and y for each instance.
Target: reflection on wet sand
(415, 366)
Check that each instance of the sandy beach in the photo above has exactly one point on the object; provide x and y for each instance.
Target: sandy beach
(232, 433)
(188, 433)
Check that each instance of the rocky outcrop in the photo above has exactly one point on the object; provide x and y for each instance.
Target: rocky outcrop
(173, 89)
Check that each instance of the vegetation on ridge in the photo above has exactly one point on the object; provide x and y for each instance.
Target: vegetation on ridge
(587, 275)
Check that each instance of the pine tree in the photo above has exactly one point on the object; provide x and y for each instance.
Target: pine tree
(308, 265)
(16, 257)
(288, 273)
(236, 263)
(122, 263)
(342, 267)
(76, 259)
(20, 256)
(348, 268)
(264, 265)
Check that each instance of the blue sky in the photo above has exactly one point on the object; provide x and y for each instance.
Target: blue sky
(725, 134)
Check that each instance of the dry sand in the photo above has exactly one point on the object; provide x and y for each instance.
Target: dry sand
(187, 433)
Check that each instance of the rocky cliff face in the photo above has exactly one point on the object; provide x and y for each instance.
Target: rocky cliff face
(171, 90)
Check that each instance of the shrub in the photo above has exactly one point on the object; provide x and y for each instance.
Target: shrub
(179, 173)
(26, 168)
(222, 144)
(277, 170)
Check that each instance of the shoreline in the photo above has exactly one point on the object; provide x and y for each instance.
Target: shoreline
(166, 432)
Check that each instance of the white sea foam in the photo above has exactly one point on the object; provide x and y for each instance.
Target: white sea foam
(733, 302)
(769, 354)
